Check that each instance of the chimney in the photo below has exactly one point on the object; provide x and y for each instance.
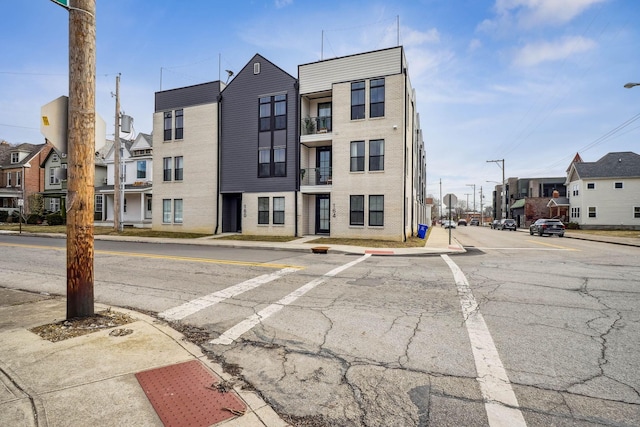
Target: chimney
(556, 194)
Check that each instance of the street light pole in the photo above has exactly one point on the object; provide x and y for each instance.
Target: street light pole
(474, 196)
(504, 188)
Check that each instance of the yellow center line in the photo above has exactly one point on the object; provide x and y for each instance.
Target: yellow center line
(170, 257)
(553, 246)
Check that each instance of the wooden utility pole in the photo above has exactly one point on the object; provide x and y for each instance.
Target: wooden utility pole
(81, 147)
(116, 162)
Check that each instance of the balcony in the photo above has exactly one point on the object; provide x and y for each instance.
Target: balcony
(315, 180)
(316, 125)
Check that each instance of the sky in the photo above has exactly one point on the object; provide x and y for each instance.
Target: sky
(532, 82)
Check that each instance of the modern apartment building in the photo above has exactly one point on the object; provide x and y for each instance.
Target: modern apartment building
(362, 158)
(185, 154)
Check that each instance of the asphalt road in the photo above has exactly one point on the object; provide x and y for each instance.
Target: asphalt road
(520, 330)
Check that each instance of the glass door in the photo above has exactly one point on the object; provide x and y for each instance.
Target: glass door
(323, 214)
(323, 166)
(324, 117)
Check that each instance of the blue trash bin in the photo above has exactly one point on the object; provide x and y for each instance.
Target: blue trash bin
(422, 230)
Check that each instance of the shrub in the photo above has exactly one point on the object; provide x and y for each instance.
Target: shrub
(3, 216)
(573, 226)
(34, 219)
(55, 219)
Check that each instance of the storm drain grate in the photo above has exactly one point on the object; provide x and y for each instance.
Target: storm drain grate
(186, 395)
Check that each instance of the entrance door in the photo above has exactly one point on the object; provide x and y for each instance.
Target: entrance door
(323, 165)
(323, 214)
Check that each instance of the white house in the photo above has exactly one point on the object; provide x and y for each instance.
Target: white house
(605, 193)
(136, 158)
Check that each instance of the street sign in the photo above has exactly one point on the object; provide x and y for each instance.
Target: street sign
(63, 3)
(450, 200)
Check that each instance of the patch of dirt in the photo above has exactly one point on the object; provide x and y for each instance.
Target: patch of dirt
(79, 326)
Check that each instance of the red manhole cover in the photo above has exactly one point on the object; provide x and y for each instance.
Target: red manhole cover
(185, 395)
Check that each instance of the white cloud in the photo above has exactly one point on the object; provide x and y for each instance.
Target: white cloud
(536, 53)
(534, 13)
(282, 3)
(474, 45)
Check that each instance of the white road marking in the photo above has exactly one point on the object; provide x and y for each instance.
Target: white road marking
(500, 400)
(193, 306)
(233, 333)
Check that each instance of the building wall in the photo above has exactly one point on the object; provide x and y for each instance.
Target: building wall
(199, 149)
(614, 207)
(250, 215)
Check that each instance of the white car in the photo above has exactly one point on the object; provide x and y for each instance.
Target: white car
(449, 224)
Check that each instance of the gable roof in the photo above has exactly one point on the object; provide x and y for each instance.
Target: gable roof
(7, 149)
(625, 164)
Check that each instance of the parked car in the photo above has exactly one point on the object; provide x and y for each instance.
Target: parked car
(495, 223)
(474, 222)
(462, 222)
(547, 226)
(507, 224)
(448, 224)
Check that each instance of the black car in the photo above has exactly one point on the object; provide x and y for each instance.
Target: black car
(507, 224)
(547, 226)
(474, 222)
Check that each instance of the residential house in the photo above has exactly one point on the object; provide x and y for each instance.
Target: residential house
(20, 174)
(259, 151)
(185, 152)
(605, 193)
(535, 198)
(136, 165)
(362, 161)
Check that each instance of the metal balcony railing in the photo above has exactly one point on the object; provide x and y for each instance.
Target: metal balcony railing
(316, 125)
(316, 176)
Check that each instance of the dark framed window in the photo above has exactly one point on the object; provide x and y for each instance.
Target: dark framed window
(177, 211)
(278, 210)
(356, 210)
(263, 210)
(280, 111)
(591, 185)
(166, 168)
(376, 98)
(376, 210)
(279, 162)
(265, 113)
(15, 158)
(592, 212)
(178, 163)
(141, 169)
(264, 162)
(357, 100)
(636, 211)
(179, 124)
(357, 156)
(617, 185)
(376, 155)
(98, 203)
(166, 210)
(167, 125)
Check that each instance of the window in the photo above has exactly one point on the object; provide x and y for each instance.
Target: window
(278, 210)
(376, 210)
(575, 212)
(124, 205)
(54, 205)
(167, 126)
(575, 191)
(617, 185)
(264, 162)
(166, 168)
(265, 114)
(357, 100)
(592, 212)
(376, 155)
(142, 169)
(256, 68)
(376, 98)
(357, 156)
(179, 124)
(591, 185)
(15, 157)
(356, 210)
(54, 157)
(279, 162)
(280, 111)
(18, 179)
(8, 179)
(179, 166)
(263, 210)
(98, 203)
(636, 211)
(166, 210)
(53, 179)
(177, 211)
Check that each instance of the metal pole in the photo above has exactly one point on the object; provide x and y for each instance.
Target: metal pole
(449, 204)
(116, 161)
(81, 146)
(481, 208)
